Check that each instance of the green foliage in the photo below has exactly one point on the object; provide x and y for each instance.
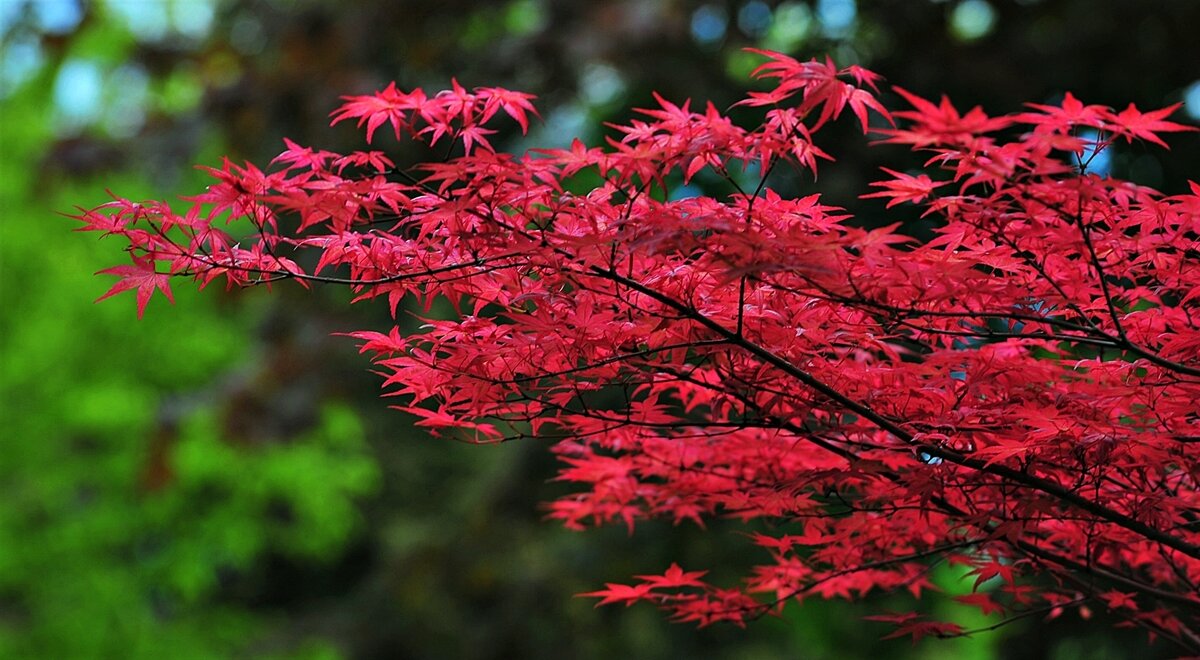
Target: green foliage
(121, 519)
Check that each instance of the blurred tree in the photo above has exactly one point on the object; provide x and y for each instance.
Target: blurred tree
(137, 503)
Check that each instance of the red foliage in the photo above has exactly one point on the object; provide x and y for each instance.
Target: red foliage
(1016, 394)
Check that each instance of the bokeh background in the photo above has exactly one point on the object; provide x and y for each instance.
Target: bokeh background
(221, 479)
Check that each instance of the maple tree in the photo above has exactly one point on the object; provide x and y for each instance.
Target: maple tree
(1015, 394)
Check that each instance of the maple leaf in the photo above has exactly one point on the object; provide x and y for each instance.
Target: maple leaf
(98, 220)
(1071, 112)
(389, 105)
(860, 101)
(619, 593)
(1119, 599)
(517, 105)
(982, 601)
(674, 577)
(142, 277)
(904, 188)
(940, 123)
(766, 359)
(379, 343)
(993, 569)
(921, 629)
(1132, 123)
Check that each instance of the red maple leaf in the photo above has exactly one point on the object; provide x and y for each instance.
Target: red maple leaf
(1133, 123)
(1015, 392)
(143, 278)
(904, 187)
(619, 593)
(674, 577)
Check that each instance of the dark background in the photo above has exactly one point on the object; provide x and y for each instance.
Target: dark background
(222, 480)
